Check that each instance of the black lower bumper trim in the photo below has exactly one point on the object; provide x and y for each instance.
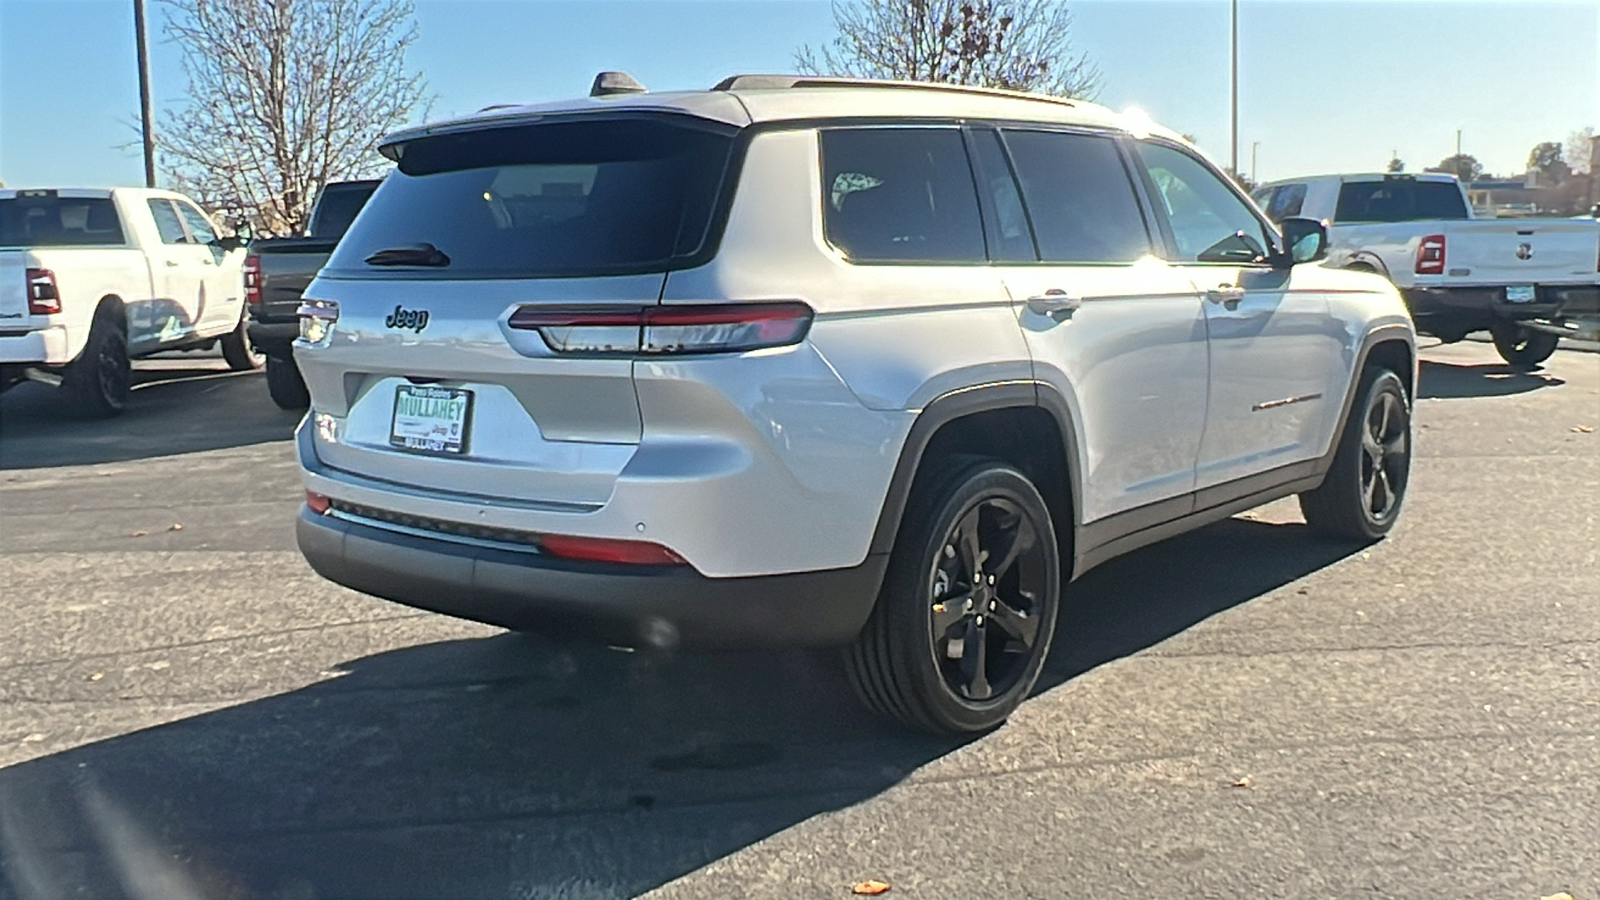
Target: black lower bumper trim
(1456, 311)
(273, 337)
(634, 605)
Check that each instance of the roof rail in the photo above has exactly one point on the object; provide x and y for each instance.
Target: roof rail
(769, 82)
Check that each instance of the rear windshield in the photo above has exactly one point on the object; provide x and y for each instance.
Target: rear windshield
(59, 222)
(1399, 201)
(337, 208)
(606, 196)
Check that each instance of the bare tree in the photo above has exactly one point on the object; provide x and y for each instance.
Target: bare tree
(284, 96)
(1016, 44)
(1580, 149)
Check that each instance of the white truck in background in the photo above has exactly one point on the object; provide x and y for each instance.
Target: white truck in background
(1528, 282)
(91, 278)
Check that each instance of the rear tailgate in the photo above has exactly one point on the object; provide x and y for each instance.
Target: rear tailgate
(1523, 251)
(286, 266)
(13, 289)
(422, 382)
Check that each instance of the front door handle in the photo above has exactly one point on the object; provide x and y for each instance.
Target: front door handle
(1227, 294)
(173, 264)
(1055, 303)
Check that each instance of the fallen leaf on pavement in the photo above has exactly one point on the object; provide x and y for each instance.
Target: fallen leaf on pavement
(97, 676)
(869, 887)
(176, 526)
(1582, 429)
(1561, 896)
(140, 533)
(1243, 782)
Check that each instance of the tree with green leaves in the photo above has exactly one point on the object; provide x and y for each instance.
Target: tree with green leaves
(1021, 45)
(1545, 159)
(1396, 164)
(1464, 166)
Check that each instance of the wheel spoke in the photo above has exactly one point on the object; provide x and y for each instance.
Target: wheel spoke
(1383, 494)
(975, 662)
(1021, 540)
(947, 612)
(967, 542)
(1014, 622)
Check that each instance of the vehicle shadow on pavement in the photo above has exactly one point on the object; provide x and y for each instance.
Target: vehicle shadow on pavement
(511, 766)
(171, 410)
(1437, 380)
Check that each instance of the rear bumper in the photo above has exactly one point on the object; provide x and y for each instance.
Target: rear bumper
(633, 605)
(44, 347)
(1451, 309)
(273, 337)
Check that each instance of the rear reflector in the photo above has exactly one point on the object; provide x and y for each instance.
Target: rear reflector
(641, 553)
(1430, 255)
(43, 297)
(318, 503)
(667, 330)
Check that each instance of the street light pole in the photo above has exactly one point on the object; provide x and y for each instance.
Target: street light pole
(145, 115)
(1253, 146)
(1233, 86)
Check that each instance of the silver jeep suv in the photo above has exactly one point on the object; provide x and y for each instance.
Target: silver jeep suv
(826, 362)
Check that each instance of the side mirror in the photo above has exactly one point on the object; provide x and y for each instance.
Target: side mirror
(1304, 240)
(232, 242)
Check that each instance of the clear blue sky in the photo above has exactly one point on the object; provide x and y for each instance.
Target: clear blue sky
(1326, 86)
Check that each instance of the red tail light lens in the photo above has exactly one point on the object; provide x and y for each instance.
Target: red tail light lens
(1430, 255)
(667, 330)
(43, 297)
(252, 280)
(641, 553)
(318, 503)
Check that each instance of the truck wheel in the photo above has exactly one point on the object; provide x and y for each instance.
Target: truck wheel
(98, 381)
(284, 383)
(1523, 347)
(1361, 496)
(968, 607)
(241, 355)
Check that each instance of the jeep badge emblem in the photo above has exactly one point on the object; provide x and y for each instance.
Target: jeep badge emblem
(414, 319)
(1524, 251)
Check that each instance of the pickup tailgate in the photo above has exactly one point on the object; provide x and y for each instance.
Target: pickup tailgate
(1524, 251)
(286, 266)
(13, 288)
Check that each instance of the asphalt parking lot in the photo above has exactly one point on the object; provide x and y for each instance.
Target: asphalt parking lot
(186, 711)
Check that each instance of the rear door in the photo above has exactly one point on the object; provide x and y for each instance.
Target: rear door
(423, 379)
(221, 287)
(179, 267)
(1277, 353)
(1107, 322)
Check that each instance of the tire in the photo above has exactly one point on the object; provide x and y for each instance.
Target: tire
(240, 354)
(1361, 496)
(1523, 347)
(284, 383)
(951, 669)
(99, 380)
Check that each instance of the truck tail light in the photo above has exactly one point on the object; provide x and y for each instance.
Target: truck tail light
(252, 280)
(667, 330)
(642, 553)
(1430, 255)
(316, 319)
(43, 297)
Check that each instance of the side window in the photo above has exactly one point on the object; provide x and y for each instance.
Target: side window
(1009, 237)
(900, 195)
(1287, 201)
(199, 228)
(1209, 221)
(1079, 197)
(167, 222)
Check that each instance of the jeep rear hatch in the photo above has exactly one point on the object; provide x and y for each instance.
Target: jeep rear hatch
(432, 384)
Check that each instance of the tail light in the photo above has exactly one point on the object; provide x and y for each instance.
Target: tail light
(641, 553)
(252, 280)
(319, 503)
(1430, 255)
(316, 319)
(667, 330)
(43, 297)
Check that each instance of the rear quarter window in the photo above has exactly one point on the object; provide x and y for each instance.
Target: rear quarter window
(900, 195)
(51, 221)
(603, 196)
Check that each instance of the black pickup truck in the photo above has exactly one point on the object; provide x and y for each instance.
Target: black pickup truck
(277, 270)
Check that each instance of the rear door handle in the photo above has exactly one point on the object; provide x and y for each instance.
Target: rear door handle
(1054, 303)
(173, 264)
(1226, 294)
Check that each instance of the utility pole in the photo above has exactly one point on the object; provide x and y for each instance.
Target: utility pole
(1233, 85)
(1253, 146)
(1458, 142)
(145, 115)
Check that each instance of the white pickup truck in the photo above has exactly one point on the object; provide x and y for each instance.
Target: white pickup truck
(90, 278)
(1528, 282)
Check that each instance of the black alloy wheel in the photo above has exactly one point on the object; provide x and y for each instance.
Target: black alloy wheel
(1385, 455)
(1361, 496)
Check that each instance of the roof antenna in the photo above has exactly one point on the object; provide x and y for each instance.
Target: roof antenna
(607, 84)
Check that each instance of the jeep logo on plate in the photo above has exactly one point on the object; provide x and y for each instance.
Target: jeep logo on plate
(414, 319)
(1524, 251)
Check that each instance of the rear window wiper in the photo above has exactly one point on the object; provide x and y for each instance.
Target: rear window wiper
(423, 254)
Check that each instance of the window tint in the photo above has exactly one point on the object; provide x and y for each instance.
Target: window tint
(167, 222)
(1287, 200)
(1079, 197)
(563, 198)
(1009, 237)
(1399, 200)
(337, 208)
(900, 194)
(199, 229)
(1207, 217)
(50, 221)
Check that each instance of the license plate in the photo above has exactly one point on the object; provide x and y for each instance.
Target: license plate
(430, 419)
(1520, 293)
